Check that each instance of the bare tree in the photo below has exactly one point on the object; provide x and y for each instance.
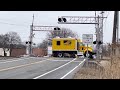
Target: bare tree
(106, 49)
(63, 33)
(4, 43)
(13, 39)
(1, 40)
(43, 44)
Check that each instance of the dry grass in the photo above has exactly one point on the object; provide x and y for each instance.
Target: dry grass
(111, 71)
(87, 73)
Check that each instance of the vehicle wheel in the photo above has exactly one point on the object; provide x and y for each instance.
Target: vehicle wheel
(54, 55)
(89, 54)
(60, 54)
(73, 55)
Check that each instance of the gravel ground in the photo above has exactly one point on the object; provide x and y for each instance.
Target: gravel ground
(87, 73)
(90, 72)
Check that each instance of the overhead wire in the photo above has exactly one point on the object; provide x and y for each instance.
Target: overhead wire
(6, 21)
(3, 21)
(13, 24)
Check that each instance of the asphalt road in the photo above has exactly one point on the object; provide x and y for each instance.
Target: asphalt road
(38, 68)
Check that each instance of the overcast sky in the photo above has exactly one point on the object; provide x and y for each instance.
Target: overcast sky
(20, 21)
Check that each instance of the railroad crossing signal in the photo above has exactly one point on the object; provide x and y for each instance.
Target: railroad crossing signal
(99, 42)
(40, 28)
(76, 20)
(57, 28)
(62, 19)
(85, 20)
(28, 42)
(45, 28)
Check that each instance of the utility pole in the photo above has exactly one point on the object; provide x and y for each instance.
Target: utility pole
(117, 27)
(100, 36)
(95, 24)
(98, 39)
(31, 37)
(115, 37)
(102, 33)
(39, 28)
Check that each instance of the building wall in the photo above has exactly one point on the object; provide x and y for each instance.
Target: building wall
(1, 50)
(36, 52)
(39, 52)
(7, 51)
(18, 52)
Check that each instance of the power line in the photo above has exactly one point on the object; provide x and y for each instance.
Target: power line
(13, 24)
(14, 21)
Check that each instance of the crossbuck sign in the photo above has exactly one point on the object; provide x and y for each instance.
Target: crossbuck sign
(87, 38)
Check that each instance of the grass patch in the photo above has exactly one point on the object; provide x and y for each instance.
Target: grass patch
(111, 71)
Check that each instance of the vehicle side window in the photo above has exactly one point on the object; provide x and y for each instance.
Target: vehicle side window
(58, 42)
(67, 42)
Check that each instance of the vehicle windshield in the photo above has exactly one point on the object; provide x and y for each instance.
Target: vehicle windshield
(81, 44)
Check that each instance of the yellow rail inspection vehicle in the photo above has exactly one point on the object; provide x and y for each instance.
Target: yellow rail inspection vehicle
(69, 46)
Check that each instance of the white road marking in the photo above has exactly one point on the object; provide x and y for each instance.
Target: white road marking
(73, 69)
(21, 65)
(16, 60)
(63, 60)
(54, 69)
